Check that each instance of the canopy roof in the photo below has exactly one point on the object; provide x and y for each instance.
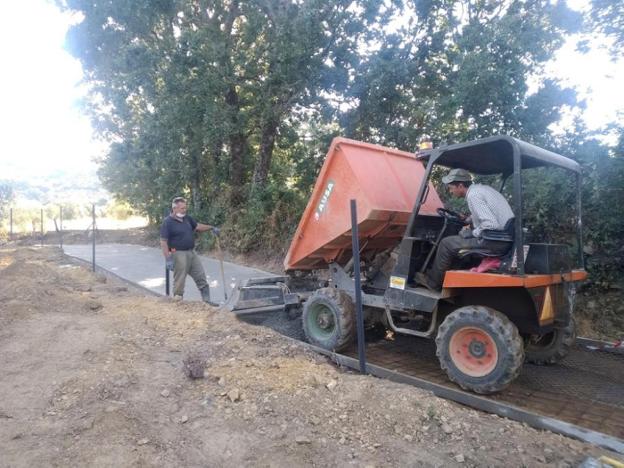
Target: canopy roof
(494, 155)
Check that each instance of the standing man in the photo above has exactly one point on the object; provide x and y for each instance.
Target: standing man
(488, 210)
(177, 242)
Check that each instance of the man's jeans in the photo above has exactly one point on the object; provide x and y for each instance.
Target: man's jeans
(448, 252)
(187, 262)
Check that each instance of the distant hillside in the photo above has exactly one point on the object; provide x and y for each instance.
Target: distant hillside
(58, 187)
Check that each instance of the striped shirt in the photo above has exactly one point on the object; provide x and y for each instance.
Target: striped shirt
(488, 208)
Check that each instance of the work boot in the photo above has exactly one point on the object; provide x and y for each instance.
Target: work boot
(205, 294)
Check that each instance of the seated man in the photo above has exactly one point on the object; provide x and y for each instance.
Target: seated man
(488, 210)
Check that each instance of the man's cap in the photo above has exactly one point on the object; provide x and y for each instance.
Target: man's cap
(457, 175)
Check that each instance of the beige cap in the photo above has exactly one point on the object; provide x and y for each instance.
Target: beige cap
(457, 175)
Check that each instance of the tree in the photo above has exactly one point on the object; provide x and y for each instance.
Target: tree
(607, 16)
(6, 197)
(459, 71)
(202, 89)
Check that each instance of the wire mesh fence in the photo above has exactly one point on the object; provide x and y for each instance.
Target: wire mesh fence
(53, 225)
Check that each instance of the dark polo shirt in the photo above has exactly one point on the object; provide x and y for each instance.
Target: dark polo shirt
(179, 233)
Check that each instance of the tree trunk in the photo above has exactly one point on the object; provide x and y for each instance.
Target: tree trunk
(238, 146)
(196, 184)
(267, 144)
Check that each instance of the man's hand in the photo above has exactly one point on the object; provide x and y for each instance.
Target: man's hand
(466, 233)
(169, 262)
(216, 231)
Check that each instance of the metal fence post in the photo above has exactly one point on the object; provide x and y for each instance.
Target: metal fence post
(61, 226)
(93, 234)
(355, 246)
(167, 276)
(41, 227)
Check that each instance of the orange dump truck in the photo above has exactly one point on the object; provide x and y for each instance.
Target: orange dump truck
(485, 324)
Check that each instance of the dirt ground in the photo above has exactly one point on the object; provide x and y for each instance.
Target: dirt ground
(93, 374)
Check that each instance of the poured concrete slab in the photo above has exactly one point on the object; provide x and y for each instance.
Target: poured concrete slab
(145, 266)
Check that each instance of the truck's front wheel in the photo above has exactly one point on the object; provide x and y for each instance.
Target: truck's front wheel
(329, 319)
(480, 349)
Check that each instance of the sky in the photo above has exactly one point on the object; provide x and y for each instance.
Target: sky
(43, 131)
(41, 127)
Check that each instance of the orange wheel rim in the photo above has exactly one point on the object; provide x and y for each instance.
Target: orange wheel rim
(473, 351)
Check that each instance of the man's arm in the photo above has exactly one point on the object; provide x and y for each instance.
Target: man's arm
(203, 227)
(165, 248)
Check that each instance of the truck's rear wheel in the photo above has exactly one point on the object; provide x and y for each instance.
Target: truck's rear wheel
(329, 319)
(479, 349)
(552, 347)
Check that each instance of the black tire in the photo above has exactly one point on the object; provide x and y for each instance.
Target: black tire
(552, 347)
(492, 359)
(329, 319)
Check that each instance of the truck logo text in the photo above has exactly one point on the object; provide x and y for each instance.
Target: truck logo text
(324, 200)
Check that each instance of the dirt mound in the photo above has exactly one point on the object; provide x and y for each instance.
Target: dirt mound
(94, 374)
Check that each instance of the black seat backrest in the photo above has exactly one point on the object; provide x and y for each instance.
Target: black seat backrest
(504, 235)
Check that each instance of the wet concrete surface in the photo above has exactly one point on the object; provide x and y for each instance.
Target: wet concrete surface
(145, 266)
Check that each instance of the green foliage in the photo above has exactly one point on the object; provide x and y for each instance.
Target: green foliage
(27, 220)
(459, 71)
(6, 197)
(607, 16)
(118, 210)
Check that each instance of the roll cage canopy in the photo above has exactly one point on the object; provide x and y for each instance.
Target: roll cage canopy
(503, 155)
(495, 155)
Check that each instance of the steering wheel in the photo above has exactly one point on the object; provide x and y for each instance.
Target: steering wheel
(452, 216)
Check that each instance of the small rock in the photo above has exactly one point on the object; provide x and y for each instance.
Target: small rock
(165, 393)
(184, 419)
(459, 458)
(447, 429)
(143, 441)
(408, 437)
(94, 305)
(194, 365)
(234, 395)
(302, 440)
(332, 384)
(222, 381)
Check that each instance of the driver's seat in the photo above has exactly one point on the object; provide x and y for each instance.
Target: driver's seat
(504, 235)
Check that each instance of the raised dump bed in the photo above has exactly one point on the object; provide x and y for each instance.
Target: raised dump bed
(384, 181)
